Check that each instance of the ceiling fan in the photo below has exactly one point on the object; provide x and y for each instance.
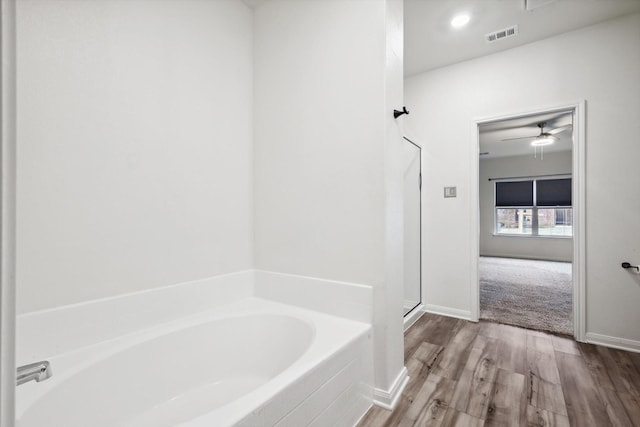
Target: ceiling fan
(544, 138)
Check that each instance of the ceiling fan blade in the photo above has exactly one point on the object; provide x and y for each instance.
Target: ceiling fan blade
(560, 129)
(524, 137)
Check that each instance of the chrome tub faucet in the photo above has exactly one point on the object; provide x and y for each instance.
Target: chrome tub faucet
(38, 371)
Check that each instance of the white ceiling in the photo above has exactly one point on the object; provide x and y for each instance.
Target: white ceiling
(493, 135)
(431, 42)
(253, 3)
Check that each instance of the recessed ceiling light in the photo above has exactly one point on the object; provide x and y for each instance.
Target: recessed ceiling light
(460, 20)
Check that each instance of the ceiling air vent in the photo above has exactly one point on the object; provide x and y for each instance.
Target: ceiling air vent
(501, 34)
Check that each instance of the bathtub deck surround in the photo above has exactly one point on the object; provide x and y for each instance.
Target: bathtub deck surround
(245, 359)
(84, 324)
(348, 300)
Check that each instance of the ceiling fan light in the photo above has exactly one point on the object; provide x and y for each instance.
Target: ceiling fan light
(543, 140)
(460, 20)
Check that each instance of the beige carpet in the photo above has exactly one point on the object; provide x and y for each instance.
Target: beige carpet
(528, 293)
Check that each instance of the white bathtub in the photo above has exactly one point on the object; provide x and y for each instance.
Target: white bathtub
(253, 362)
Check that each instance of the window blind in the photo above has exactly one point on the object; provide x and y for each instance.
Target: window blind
(553, 192)
(514, 193)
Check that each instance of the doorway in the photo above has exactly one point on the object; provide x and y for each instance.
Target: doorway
(529, 228)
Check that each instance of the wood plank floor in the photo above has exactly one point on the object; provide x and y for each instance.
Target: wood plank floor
(486, 374)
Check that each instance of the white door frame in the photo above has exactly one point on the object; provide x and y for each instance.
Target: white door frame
(7, 211)
(578, 195)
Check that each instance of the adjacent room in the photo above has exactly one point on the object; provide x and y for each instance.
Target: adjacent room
(526, 221)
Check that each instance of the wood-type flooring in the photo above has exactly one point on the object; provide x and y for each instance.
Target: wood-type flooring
(487, 374)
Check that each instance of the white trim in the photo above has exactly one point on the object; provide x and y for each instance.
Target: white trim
(579, 229)
(363, 415)
(579, 208)
(525, 256)
(474, 228)
(7, 213)
(450, 312)
(613, 342)
(388, 399)
(532, 236)
(413, 316)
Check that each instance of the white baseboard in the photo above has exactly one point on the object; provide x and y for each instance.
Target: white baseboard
(613, 342)
(529, 256)
(446, 311)
(413, 316)
(364, 414)
(388, 399)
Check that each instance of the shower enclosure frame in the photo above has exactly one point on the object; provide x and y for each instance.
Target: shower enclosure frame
(414, 314)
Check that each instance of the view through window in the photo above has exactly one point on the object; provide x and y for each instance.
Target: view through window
(534, 207)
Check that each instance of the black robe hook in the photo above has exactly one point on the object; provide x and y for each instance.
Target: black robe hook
(397, 113)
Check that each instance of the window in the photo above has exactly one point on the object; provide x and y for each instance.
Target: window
(534, 207)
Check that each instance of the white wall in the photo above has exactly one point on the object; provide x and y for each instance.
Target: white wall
(7, 211)
(600, 64)
(319, 138)
(134, 157)
(547, 248)
(388, 299)
(323, 126)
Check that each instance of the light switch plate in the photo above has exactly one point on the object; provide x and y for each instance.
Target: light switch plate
(449, 191)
